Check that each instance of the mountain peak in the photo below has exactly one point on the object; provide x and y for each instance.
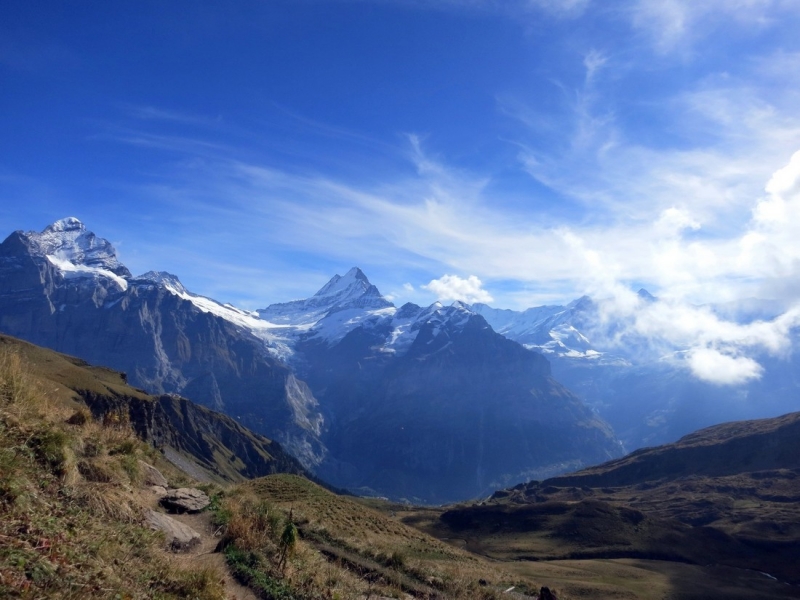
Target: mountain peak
(164, 279)
(356, 273)
(70, 246)
(354, 278)
(351, 291)
(67, 224)
(645, 295)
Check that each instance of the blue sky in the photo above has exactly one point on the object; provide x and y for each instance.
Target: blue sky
(518, 152)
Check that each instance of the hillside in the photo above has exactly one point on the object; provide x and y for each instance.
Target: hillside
(74, 499)
(209, 445)
(708, 515)
(81, 489)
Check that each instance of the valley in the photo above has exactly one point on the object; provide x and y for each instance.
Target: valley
(711, 516)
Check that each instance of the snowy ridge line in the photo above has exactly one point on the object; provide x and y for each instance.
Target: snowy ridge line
(342, 305)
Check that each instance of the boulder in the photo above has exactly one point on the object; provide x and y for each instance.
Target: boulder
(546, 594)
(151, 475)
(158, 490)
(179, 537)
(184, 500)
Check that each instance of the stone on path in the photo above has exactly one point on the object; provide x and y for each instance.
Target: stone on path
(184, 500)
(151, 475)
(179, 537)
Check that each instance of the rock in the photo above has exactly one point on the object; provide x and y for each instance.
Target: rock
(179, 537)
(152, 476)
(546, 594)
(158, 490)
(184, 500)
(79, 417)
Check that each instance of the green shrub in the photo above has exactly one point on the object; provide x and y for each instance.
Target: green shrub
(250, 569)
(50, 445)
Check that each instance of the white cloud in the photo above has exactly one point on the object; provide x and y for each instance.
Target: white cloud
(723, 369)
(453, 287)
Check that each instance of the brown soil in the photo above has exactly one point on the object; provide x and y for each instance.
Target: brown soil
(204, 555)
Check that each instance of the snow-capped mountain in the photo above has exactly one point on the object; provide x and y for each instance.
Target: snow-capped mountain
(423, 402)
(431, 404)
(78, 253)
(550, 329)
(65, 288)
(640, 384)
(353, 291)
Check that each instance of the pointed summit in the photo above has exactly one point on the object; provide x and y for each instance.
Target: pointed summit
(354, 276)
(351, 291)
(166, 280)
(646, 296)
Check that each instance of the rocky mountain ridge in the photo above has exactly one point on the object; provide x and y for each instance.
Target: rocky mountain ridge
(68, 293)
(166, 340)
(209, 445)
(641, 385)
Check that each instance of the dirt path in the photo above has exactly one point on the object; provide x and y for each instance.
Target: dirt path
(203, 556)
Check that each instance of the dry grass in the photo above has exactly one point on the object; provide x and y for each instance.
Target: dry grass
(69, 515)
(346, 548)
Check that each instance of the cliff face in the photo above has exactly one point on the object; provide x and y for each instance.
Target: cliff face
(463, 412)
(205, 443)
(163, 342)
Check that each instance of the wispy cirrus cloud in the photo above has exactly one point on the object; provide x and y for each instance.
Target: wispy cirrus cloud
(675, 25)
(673, 189)
(516, 8)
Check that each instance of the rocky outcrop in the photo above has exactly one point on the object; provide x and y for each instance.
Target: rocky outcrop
(152, 476)
(184, 500)
(179, 537)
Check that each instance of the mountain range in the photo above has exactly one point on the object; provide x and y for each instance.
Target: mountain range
(640, 384)
(425, 403)
(713, 515)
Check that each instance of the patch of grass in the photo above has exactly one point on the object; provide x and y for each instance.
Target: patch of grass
(250, 569)
(69, 520)
(345, 547)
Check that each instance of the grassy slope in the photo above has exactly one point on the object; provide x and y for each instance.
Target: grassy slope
(714, 509)
(69, 508)
(348, 549)
(206, 444)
